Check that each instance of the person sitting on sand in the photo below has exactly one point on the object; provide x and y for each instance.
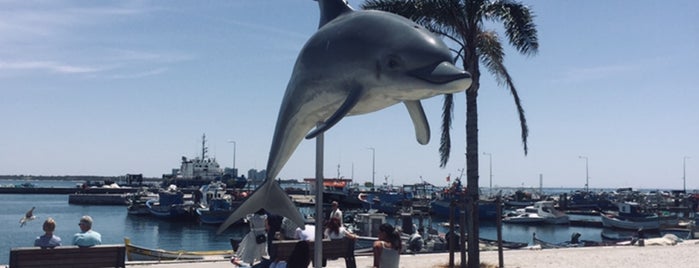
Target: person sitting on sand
(387, 248)
(48, 240)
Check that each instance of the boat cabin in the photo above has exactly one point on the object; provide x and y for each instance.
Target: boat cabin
(367, 224)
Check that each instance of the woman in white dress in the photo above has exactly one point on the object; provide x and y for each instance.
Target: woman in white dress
(387, 248)
(254, 245)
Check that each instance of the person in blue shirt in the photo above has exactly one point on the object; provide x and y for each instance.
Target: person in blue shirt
(86, 237)
(48, 240)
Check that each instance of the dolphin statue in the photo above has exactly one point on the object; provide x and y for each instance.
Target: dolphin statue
(357, 62)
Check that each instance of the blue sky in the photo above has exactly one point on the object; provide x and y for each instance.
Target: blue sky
(115, 87)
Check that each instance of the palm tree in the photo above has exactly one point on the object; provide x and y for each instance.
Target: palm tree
(462, 22)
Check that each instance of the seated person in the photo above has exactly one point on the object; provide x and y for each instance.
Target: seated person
(387, 248)
(334, 230)
(288, 229)
(48, 240)
(86, 237)
(307, 234)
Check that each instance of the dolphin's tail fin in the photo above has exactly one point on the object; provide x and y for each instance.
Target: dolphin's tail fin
(272, 198)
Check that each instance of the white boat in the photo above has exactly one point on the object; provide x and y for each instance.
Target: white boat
(614, 221)
(525, 218)
(542, 212)
(139, 253)
(197, 171)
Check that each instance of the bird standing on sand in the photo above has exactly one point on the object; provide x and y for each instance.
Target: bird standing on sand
(27, 217)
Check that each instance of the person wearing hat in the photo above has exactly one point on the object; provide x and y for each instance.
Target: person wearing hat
(336, 212)
(86, 237)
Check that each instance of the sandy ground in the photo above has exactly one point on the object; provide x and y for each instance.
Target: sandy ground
(680, 255)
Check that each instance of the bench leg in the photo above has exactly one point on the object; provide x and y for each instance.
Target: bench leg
(350, 262)
(325, 262)
(349, 255)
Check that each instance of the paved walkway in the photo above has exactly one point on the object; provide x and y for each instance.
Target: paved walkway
(681, 255)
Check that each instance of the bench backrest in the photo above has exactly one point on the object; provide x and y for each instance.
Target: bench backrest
(332, 249)
(69, 256)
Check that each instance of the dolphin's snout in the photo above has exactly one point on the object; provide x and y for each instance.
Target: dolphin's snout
(441, 73)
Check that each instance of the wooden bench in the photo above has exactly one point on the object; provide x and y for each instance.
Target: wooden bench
(69, 256)
(332, 249)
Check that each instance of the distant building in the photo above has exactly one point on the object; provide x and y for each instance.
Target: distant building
(257, 177)
(233, 172)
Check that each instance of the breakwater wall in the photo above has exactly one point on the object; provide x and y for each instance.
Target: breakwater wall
(50, 190)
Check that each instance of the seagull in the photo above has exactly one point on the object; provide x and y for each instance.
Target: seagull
(27, 217)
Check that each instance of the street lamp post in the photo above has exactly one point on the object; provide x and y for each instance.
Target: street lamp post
(587, 174)
(490, 161)
(684, 173)
(234, 145)
(373, 167)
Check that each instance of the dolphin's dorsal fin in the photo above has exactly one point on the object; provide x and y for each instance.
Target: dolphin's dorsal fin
(345, 108)
(422, 127)
(331, 9)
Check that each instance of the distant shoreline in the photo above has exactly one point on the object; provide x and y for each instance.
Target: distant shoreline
(69, 178)
(123, 178)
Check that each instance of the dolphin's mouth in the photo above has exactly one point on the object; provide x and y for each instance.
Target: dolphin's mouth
(440, 73)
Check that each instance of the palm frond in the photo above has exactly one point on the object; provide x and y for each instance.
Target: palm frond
(492, 55)
(445, 141)
(437, 16)
(518, 21)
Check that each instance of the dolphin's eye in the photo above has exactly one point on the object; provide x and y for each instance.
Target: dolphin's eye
(393, 62)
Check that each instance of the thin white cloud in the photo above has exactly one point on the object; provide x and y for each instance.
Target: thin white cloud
(24, 23)
(613, 70)
(51, 66)
(138, 75)
(42, 37)
(600, 72)
(146, 56)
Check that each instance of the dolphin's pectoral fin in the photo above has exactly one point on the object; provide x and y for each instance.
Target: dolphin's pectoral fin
(345, 108)
(422, 127)
(272, 198)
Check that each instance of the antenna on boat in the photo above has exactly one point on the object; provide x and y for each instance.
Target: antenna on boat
(203, 146)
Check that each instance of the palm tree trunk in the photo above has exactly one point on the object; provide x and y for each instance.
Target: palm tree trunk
(472, 174)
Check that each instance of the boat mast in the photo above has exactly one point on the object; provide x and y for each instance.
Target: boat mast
(203, 146)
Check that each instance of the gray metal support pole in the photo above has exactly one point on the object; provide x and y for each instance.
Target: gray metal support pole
(318, 245)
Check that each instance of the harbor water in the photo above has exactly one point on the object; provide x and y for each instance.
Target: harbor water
(114, 224)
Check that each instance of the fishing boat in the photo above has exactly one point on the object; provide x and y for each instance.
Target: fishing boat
(542, 212)
(614, 221)
(487, 210)
(217, 204)
(442, 205)
(386, 201)
(171, 205)
(137, 202)
(573, 242)
(632, 216)
(617, 235)
(139, 253)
